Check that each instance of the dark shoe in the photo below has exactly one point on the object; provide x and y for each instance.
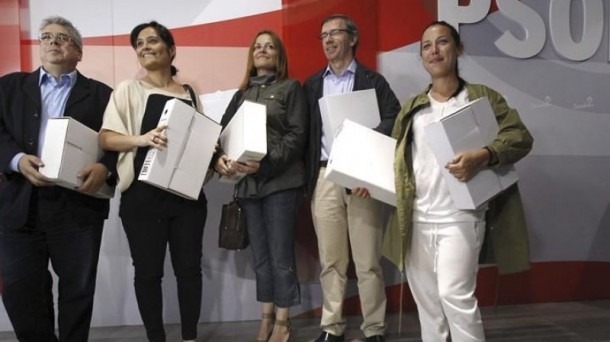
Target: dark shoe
(328, 337)
(376, 338)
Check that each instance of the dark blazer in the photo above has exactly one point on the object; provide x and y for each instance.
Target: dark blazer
(20, 105)
(363, 79)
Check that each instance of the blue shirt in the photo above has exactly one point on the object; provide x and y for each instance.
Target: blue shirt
(336, 84)
(54, 96)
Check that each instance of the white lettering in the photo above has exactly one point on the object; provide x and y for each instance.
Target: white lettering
(534, 26)
(561, 36)
(535, 32)
(454, 14)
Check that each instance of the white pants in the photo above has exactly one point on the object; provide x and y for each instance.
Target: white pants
(442, 269)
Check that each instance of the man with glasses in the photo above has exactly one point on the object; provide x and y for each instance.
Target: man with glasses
(341, 215)
(40, 222)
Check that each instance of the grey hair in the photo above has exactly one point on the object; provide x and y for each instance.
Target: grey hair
(61, 21)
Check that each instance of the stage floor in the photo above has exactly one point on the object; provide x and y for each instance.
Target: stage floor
(549, 322)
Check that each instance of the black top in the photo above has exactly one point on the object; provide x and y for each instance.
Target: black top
(142, 200)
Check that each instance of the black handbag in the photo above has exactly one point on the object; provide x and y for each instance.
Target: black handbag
(232, 234)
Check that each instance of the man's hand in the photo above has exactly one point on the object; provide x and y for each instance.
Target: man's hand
(93, 176)
(361, 192)
(28, 167)
(465, 165)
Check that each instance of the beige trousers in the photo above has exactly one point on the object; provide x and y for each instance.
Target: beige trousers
(340, 221)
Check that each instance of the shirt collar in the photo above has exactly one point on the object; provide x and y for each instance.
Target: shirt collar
(44, 76)
(262, 80)
(351, 68)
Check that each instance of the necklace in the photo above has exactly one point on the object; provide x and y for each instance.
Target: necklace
(444, 98)
(441, 98)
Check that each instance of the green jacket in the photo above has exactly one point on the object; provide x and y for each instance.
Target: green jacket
(506, 240)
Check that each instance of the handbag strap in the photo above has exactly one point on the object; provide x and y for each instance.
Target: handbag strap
(192, 93)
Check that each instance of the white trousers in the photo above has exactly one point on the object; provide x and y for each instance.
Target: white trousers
(442, 269)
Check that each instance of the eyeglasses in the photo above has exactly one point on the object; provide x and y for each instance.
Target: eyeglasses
(60, 38)
(333, 33)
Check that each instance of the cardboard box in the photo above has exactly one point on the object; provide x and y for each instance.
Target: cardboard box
(358, 106)
(67, 148)
(245, 137)
(471, 127)
(362, 157)
(181, 167)
(159, 165)
(215, 104)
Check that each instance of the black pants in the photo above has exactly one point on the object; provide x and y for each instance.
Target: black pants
(73, 250)
(148, 240)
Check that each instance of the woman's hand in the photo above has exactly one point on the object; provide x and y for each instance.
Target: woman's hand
(155, 138)
(465, 165)
(223, 166)
(248, 167)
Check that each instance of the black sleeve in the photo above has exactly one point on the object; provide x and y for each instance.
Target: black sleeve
(224, 121)
(388, 105)
(110, 158)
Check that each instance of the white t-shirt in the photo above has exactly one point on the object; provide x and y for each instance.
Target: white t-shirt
(433, 202)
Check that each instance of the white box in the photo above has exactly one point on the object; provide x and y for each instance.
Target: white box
(215, 104)
(67, 148)
(188, 177)
(471, 127)
(362, 157)
(245, 137)
(181, 167)
(159, 165)
(359, 106)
